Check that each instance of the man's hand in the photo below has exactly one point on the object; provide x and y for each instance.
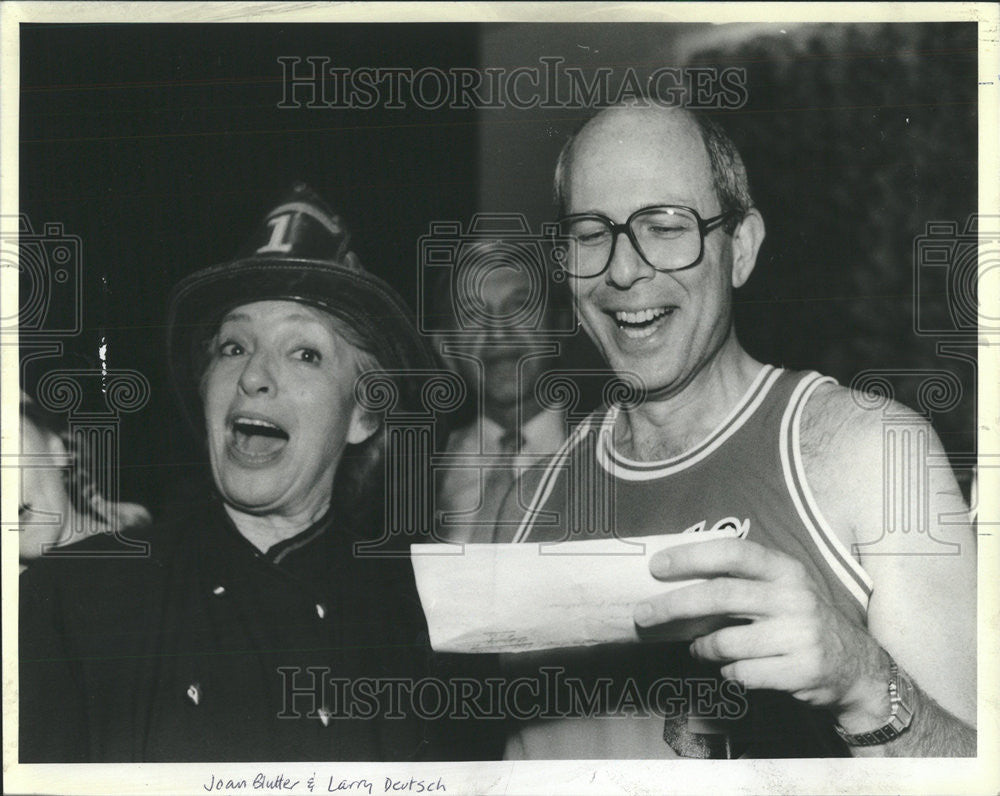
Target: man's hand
(794, 641)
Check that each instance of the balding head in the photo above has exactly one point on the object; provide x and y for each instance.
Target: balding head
(623, 126)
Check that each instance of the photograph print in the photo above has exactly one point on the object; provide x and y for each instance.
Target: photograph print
(400, 401)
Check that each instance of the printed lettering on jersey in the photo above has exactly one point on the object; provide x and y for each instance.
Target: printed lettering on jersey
(742, 527)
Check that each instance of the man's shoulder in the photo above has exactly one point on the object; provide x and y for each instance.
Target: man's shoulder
(842, 442)
(842, 423)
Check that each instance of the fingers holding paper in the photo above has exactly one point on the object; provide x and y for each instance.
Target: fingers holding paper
(781, 633)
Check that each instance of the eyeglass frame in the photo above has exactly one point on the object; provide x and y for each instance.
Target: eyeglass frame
(705, 225)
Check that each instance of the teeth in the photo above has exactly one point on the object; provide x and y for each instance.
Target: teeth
(247, 421)
(638, 334)
(255, 427)
(257, 440)
(640, 316)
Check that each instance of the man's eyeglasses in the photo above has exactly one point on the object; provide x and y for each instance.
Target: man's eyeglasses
(667, 237)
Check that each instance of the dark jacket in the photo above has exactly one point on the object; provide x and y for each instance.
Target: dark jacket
(201, 649)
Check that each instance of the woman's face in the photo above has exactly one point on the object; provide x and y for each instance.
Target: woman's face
(279, 407)
(44, 514)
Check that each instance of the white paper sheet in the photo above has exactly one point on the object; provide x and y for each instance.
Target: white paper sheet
(521, 597)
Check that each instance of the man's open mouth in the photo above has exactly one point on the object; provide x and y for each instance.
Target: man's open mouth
(257, 439)
(638, 324)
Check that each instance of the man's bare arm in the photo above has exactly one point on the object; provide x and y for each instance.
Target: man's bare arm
(921, 612)
(882, 481)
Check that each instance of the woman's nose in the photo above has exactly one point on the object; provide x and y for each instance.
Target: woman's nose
(257, 377)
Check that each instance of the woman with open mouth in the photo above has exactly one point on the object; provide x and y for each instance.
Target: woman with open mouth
(242, 630)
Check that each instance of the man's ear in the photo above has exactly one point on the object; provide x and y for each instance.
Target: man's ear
(363, 425)
(747, 238)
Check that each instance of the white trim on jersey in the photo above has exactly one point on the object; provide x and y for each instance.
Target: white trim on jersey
(549, 478)
(834, 551)
(744, 409)
(632, 470)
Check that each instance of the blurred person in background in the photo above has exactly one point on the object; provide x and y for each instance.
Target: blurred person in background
(59, 501)
(493, 299)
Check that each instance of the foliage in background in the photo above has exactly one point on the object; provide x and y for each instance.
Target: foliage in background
(855, 138)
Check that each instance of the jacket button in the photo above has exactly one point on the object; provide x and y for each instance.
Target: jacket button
(321, 610)
(194, 693)
(218, 591)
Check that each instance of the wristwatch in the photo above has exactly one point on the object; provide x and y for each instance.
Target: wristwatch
(900, 715)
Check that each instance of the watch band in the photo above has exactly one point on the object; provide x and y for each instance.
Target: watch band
(900, 715)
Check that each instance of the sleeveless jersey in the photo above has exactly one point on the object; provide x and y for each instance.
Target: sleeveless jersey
(748, 474)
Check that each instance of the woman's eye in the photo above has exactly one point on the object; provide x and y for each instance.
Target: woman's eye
(310, 355)
(230, 349)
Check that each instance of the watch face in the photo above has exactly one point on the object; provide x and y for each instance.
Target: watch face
(902, 709)
(900, 717)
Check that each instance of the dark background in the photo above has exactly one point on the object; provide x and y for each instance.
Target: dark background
(162, 146)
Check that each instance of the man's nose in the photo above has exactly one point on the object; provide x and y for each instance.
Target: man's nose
(257, 377)
(627, 266)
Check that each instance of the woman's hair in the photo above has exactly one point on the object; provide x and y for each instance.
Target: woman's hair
(358, 486)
